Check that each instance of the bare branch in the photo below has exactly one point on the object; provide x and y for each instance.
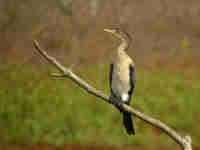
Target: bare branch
(68, 73)
(57, 75)
(184, 142)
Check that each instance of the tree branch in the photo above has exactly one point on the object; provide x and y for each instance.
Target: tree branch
(184, 142)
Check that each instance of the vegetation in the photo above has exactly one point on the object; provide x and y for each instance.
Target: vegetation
(35, 107)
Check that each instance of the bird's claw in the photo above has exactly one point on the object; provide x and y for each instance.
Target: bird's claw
(117, 103)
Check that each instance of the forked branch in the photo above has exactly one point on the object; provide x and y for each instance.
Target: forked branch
(184, 142)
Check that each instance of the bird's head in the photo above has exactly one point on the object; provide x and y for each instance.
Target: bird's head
(119, 34)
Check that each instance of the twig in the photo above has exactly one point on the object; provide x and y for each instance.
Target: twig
(184, 142)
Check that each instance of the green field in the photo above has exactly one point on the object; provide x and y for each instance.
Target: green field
(37, 108)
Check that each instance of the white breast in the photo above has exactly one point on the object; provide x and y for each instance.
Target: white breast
(121, 79)
(125, 97)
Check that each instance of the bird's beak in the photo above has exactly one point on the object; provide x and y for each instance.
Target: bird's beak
(110, 31)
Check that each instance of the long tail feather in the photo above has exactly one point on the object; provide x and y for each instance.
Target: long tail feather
(128, 124)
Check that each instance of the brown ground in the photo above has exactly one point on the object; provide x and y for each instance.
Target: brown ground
(42, 146)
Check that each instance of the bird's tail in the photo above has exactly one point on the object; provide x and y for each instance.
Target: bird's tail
(128, 124)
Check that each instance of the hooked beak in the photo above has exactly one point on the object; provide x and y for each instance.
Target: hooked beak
(110, 31)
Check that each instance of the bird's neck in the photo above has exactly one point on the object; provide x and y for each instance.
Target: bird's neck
(121, 51)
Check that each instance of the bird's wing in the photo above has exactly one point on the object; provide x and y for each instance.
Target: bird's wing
(110, 77)
(132, 78)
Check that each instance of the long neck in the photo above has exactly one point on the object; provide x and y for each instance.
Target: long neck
(120, 55)
(123, 46)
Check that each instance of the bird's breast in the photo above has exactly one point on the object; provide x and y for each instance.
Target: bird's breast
(121, 79)
(123, 72)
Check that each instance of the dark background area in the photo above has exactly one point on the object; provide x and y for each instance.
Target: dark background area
(73, 30)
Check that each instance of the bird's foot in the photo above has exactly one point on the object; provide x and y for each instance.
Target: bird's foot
(119, 106)
(111, 99)
(117, 103)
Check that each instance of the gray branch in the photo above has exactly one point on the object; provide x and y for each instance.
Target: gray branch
(184, 142)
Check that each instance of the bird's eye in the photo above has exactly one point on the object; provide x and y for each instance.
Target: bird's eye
(118, 37)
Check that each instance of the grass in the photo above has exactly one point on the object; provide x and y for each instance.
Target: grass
(35, 107)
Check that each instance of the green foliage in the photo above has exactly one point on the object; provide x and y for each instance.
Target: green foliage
(35, 107)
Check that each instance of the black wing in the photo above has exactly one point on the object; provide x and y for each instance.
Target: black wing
(132, 79)
(110, 77)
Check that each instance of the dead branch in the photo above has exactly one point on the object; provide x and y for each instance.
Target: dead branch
(184, 142)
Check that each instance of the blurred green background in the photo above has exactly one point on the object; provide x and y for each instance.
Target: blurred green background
(40, 112)
(36, 108)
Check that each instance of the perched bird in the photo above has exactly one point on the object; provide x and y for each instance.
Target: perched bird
(122, 77)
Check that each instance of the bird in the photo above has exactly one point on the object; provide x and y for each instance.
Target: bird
(122, 77)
